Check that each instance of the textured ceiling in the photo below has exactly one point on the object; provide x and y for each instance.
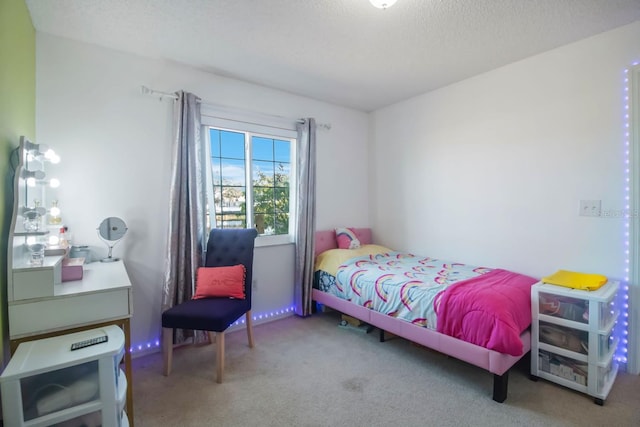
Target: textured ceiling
(342, 51)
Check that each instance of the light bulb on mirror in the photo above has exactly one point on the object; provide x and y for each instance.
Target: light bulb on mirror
(49, 154)
(54, 213)
(31, 240)
(54, 240)
(54, 183)
(31, 182)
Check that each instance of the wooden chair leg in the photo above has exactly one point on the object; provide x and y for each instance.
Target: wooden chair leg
(212, 337)
(167, 343)
(249, 328)
(219, 356)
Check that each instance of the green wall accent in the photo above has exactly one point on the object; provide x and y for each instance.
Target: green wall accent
(17, 117)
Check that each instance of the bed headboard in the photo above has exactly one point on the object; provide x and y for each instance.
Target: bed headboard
(326, 239)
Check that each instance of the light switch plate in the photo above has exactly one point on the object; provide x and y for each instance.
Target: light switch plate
(590, 208)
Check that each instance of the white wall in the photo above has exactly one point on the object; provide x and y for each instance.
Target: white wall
(115, 147)
(490, 171)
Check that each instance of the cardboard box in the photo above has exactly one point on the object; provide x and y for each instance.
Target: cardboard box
(352, 320)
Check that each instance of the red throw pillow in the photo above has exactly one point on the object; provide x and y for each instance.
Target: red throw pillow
(220, 282)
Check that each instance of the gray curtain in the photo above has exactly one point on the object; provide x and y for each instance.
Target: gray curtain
(187, 240)
(305, 221)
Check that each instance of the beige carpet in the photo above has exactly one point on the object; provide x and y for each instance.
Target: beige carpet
(310, 372)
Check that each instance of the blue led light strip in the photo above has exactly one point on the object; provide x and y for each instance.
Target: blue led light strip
(261, 317)
(623, 293)
(621, 328)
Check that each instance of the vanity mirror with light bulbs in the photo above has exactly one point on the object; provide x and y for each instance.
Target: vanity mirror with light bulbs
(40, 303)
(34, 256)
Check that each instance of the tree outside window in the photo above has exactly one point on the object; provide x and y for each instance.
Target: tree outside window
(252, 180)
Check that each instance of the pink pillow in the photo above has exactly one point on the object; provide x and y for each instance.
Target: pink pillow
(346, 238)
(220, 282)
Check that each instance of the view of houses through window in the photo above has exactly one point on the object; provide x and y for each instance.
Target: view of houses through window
(252, 179)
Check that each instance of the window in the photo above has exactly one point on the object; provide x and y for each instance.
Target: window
(252, 180)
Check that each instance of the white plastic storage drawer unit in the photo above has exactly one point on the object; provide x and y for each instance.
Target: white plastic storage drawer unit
(47, 383)
(572, 340)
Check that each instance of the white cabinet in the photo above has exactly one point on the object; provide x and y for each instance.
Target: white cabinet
(48, 384)
(572, 339)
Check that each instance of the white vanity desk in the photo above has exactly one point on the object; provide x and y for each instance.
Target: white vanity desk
(103, 294)
(103, 297)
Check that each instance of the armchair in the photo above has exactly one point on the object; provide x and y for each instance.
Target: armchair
(225, 247)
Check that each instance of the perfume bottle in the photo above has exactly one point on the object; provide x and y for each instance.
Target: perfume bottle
(62, 237)
(54, 214)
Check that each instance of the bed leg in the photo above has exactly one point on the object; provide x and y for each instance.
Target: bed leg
(381, 335)
(500, 383)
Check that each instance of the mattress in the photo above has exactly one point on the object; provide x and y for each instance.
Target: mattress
(484, 306)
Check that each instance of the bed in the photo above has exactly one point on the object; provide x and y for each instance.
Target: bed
(460, 310)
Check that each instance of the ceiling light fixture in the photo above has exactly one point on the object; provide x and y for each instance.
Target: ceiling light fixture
(382, 4)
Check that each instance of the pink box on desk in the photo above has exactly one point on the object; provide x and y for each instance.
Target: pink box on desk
(72, 269)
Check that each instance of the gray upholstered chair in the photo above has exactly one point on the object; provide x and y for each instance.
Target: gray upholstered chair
(226, 247)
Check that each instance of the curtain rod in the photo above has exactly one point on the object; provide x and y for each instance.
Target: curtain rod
(146, 91)
(152, 92)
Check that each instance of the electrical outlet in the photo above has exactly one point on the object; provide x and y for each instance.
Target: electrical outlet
(590, 208)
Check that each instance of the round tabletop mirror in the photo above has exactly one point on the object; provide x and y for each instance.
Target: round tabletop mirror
(111, 230)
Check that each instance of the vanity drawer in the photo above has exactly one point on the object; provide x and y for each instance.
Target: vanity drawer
(36, 281)
(69, 311)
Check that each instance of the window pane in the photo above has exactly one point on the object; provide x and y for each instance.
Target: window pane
(231, 144)
(230, 207)
(282, 150)
(282, 223)
(282, 174)
(262, 173)
(263, 199)
(231, 221)
(214, 137)
(233, 172)
(262, 226)
(270, 165)
(262, 148)
(216, 171)
(230, 198)
(281, 199)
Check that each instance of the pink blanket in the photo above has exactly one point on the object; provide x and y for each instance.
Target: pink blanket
(490, 310)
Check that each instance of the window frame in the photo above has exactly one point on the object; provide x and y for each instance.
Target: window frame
(251, 129)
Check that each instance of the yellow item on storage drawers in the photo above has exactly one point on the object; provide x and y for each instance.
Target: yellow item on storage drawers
(571, 279)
